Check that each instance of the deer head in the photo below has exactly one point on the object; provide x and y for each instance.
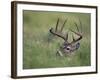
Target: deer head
(67, 47)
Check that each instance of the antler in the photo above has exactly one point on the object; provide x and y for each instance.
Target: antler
(77, 33)
(65, 38)
(59, 33)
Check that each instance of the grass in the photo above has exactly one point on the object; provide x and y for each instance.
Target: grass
(40, 46)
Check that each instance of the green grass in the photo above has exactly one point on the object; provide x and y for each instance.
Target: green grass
(40, 46)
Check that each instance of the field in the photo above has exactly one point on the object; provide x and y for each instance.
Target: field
(40, 46)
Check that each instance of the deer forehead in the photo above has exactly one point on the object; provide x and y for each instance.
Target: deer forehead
(72, 45)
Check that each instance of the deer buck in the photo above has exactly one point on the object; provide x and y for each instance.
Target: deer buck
(67, 48)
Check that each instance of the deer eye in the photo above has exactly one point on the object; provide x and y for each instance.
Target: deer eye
(68, 48)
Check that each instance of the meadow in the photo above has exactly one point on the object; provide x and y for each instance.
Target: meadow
(40, 47)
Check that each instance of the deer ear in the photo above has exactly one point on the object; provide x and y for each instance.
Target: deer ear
(77, 45)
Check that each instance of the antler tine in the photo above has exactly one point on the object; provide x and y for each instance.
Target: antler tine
(57, 25)
(76, 26)
(57, 34)
(77, 33)
(73, 37)
(66, 37)
(63, 25)
(78, 38)
(80, 25)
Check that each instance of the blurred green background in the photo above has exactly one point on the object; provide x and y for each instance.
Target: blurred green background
(40, 46)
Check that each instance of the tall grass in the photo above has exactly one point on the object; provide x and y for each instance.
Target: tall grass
(40, 46)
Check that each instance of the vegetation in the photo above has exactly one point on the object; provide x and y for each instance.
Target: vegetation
(40, 46)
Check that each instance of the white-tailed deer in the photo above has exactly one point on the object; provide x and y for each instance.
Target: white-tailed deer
(67, 47)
